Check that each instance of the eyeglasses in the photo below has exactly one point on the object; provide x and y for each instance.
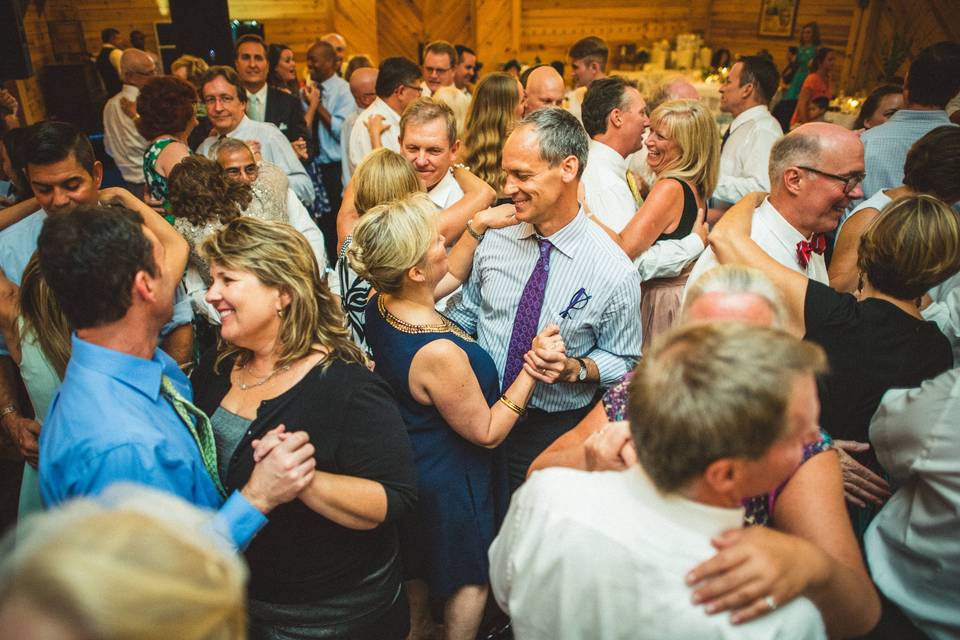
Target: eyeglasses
(250, 170)
(435, 70)
(224, 100)
(849, 182)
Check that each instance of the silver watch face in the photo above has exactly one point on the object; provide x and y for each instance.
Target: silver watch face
(583, 372)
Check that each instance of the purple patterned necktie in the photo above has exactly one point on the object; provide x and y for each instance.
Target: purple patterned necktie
(528, 315)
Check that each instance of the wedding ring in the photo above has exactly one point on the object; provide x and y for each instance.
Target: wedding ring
(771, 602)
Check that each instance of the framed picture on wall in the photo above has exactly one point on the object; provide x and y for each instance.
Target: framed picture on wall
(777, 18)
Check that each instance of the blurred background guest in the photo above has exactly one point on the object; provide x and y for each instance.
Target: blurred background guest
(497, 106)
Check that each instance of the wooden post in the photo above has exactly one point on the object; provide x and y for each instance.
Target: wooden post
(515, 28)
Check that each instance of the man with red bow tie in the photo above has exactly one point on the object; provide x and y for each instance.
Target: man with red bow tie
(815, 171)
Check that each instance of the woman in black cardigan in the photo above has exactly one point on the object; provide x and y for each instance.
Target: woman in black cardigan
(326, 565)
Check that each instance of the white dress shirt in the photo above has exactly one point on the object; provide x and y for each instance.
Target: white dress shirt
(603, 555)
(299, 218)
(360, 138)
(447, 192)
(609, 198)
(745, 157)
(275, 148)
(121, 139)
(257, 104)
(912, 546)
(945, 311)
(345, 164)
(778, 238)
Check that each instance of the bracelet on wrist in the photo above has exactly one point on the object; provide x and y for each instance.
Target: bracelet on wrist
(476, 236)
(460, 165)
(509, 404)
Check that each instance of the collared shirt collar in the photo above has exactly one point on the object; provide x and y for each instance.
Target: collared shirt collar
(782, 228)
(934, 115)
(138, 373)
(243, 121)
(261, 95)
(438, 193)
(606, 154)
(702, 518)
(332, 80)
(130, 91)
(751, 114)
(565, 240)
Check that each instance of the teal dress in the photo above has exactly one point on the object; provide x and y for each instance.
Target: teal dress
(157, 185)
(41, 381)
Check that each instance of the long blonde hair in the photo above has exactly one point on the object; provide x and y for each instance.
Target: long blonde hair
(140, 569)
(491, 117)
(384, 175)
(279, 256)
(43, 319)
(690, 124)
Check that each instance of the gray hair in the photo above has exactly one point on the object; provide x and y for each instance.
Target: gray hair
(561, 136)
(734, 279)
(229, 145)
(795, 148)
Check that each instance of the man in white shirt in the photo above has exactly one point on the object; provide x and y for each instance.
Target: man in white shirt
(912, 545)
(745, 151)
(120, 136)
(588, 62)
(398, 84)
(226, 101)
(544, 88)
(363, 86)
(466, 69)
(605, 554)
(615, 117)
(815, 171)
(439, 62)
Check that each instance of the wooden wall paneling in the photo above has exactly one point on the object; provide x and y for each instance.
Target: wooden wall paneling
(493, 25)
(449, 20)
(41, 53)
(356, 21)
(399, 28)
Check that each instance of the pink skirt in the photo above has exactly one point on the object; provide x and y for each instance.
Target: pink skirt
(660, 300)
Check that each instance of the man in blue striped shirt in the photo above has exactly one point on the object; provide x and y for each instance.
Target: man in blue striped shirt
(587, 285)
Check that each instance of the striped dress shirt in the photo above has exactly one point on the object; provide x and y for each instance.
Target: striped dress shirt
(605, 329)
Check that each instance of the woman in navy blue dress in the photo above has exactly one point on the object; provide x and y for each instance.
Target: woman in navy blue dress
(448, 390)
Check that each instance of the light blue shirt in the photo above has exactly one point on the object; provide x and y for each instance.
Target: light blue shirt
(108, 423)
(606, 329)
(19, 242)
(338, 101)
(885, 147)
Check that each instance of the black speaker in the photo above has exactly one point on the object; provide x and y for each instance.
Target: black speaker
(203, 29)
(74, 93)
(14, 54)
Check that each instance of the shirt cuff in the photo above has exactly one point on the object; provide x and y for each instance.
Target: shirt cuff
(611, 367)
(238, 521)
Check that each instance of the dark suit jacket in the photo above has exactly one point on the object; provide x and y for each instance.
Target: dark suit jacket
(285, 111)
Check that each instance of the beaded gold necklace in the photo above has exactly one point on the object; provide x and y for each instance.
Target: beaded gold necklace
(400, 325)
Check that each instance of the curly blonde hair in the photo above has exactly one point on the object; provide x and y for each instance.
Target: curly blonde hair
(280, 257)
(491, 117)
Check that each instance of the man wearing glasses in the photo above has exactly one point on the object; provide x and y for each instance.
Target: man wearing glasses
(226, 101)
(398, 84)
(439, 61)
(815, 171)
(120, 136)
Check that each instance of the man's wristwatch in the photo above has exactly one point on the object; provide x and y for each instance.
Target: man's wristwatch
(582, 374)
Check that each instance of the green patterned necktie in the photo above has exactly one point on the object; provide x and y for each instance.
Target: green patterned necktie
(202, 432)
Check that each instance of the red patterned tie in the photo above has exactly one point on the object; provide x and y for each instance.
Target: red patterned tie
(817, 244)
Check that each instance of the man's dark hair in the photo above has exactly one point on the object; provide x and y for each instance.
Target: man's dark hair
(89, 257)
(822, 102)
(50, 141)
(589, 49)
(138, 39)
(933, 164)
(762, 74)
(559, 66)
(462, 49)
(442, 47)
(934, 77)
(395, 72)
(109, 34)
(602, 97)
(249, 37)
(227, 73)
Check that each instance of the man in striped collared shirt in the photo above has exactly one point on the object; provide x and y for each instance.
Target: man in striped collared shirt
(592, 290)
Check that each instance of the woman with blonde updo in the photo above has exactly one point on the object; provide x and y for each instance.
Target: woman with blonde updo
(684, 146)
(497, 106)
(326, 565)
(132, 564)
(449, 394)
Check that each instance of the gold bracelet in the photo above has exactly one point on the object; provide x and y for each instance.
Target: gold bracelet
(509, 404)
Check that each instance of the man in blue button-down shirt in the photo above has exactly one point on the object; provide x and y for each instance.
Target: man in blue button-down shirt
(113, 272)
(592, 289)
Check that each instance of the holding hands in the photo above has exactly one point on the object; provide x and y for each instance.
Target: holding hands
(546, 360)
(284, 467)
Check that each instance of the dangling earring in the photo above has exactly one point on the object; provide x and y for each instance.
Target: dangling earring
(279, 313)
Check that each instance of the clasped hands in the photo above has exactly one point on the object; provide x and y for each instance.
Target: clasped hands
(284, 466)
(547, 360)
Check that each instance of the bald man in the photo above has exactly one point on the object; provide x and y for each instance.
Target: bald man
(339, 44)
(363, 86)
(120, 136)
(544, 88)
(815, 171)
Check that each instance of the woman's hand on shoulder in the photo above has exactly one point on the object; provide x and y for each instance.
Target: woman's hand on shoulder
(755, 571)
(499, 217)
